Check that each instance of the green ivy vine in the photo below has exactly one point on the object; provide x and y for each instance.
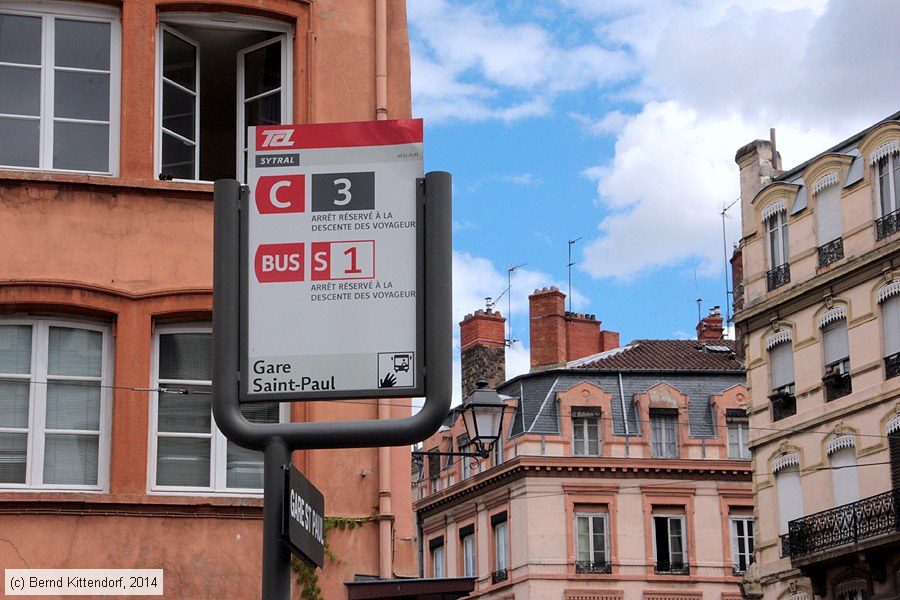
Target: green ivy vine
(308, 577)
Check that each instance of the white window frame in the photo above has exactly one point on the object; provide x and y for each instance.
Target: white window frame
(829, 226)
(437, 562)
(219, 444)
(497, 452)
(583, 424)
(892, 162)
(232, 21)
(38, 405)
(501, 546)
(747, 536)
(470, 565)
(591, 550)
(738, 438)
(664, 436)
(49, 12)
(778, 244)
(890, 319)
(683, 550)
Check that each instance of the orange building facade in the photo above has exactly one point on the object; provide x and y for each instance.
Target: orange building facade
(115, 118)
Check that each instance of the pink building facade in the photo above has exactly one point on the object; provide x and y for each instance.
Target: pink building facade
(623, 472)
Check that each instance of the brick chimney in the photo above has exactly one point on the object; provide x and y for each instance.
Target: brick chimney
(710, 328)
(482, 350)
(558, 337)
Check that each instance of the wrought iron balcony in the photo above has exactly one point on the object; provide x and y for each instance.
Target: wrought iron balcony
(499, 576)
(671, 568)
(837, 385)
(892, 365)
(784, 404)
(589, 566)
(778, 276)
(887, 225)
(842, 525)
(831, 252)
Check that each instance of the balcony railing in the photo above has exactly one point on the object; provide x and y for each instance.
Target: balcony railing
(589, 566)
(778, 276)
(842, 525)
(837, 385)
(499, 576)
(784, 405)
(671, 568)
(892, 365)
(831, 252)
(887, 225)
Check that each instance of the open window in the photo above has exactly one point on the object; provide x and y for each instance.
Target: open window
(218, 75)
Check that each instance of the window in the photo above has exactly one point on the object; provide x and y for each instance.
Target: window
(55, 403)
(500, 525)
(467, 544)
(434, 471)
(591, 542)
(585, 432)
(437, 557)
(775, 219)
(466, 463)
(787, 487)
(669, 544)
(218, 75)
(189, 452)
(741, 543)
(781, 371)
(836, 350)
(59, 87)
(738, 433)
(889, 298)
(664, 432)
(852, 589)
(844, 472)
(887, 174)
(497, 451)
(828, 219)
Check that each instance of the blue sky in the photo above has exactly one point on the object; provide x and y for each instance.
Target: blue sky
(617, 122)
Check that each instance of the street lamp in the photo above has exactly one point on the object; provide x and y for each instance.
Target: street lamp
(482, 414)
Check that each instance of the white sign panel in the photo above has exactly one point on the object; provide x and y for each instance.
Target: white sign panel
(332, 304)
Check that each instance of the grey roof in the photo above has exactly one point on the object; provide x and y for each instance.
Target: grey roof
(537, 410)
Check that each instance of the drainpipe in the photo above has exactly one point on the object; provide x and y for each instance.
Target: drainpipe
(624, 414)
(385, 510)
(381, 108)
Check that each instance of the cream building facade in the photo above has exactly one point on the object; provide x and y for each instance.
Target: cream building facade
(819, 320)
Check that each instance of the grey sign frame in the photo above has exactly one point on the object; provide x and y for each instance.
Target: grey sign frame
(278, 440)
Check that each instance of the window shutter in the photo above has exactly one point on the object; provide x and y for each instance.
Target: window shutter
(828, 214)
(781, 361)
(890, 314)
(790, 496)
(894, 446)
(844, 476)
(837, 346)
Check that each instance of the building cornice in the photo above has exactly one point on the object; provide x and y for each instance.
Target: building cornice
(731, 471)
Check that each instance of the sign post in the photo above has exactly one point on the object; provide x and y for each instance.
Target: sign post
(264, 277)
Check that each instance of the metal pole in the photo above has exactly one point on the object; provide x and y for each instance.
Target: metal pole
(276, 558)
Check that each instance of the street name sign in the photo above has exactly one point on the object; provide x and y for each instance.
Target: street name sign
(332, 285)
(304, 518)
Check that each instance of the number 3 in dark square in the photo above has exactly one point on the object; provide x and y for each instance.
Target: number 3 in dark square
(343, 191)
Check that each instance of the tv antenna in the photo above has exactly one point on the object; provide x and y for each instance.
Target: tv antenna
(509, 338)
(725, 255)
(571, 242)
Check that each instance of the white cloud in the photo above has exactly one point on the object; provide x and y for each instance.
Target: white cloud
(521, 179)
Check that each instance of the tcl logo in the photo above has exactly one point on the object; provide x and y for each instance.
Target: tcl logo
(277, 194)
(275, 138)
(279, 262)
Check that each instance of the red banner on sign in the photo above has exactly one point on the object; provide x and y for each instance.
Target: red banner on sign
(339, 135)
(278, 194)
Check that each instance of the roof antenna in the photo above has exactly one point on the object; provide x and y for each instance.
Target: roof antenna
(729, 293)
(509, 339)
(571, 242)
